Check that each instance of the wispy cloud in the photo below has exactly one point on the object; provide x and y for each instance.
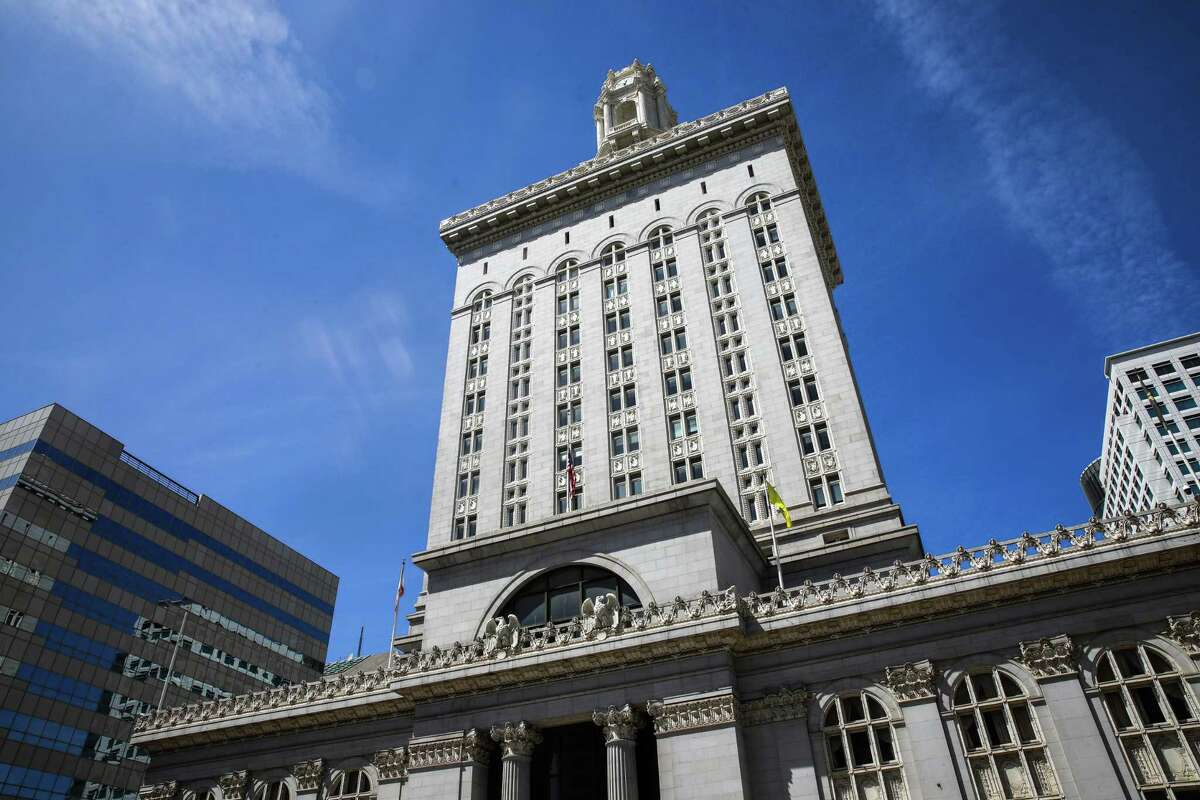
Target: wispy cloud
(361, 347)
(233, 67)
(1064, 176)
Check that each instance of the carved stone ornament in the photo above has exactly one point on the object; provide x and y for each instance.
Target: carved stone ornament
(1186, 631)
(778, 706)
(619, 723)
(516, 740)
(912, 681)
(233, 785)
(476, 746)
(158, 791)
(308, 775)
(707, 712)
(391, 764)
(1050, 657)
(602, 616)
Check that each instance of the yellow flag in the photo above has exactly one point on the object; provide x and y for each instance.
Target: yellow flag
(774, 499)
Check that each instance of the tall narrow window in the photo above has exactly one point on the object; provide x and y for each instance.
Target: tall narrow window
(1154, 714)
(860, 744)
(1005, 750)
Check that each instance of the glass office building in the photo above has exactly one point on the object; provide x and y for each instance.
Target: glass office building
(105, 565)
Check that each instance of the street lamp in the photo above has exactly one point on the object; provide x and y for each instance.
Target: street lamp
(183, 603)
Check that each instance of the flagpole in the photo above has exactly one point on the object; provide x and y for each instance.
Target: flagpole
(774, 541)
(395, 616)
(775, 544)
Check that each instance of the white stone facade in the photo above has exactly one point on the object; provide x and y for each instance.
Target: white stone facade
(1151, 451)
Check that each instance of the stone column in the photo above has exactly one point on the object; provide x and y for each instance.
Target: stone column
(308, 778)
(1052, 662)
(620, 738)
(933, 761)
(233, 785)
(517, 741)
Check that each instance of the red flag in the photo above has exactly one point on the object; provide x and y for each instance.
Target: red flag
(572, 480)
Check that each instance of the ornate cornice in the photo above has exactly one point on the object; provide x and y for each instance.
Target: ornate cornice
(580, 178)
(391, 764)
(911, 682)
(717, 620)
(516, 740)
(233, 785)
(688, 715)
(1186, 631)
(619, 723)
(778, 706)
(308, 775)
(1049, 657)
(158, 791)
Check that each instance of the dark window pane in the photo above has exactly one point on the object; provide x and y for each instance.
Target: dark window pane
(1148, 707)
(564, 603)
(883, 742)
(860, 748)
(997, 728)
(531, 609)
(837, 753)
(970, 731)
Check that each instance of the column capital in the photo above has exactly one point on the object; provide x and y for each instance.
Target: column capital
(516, 740)
(683, 714)
(912, 681)
(477, 746)
(1049, 657)
(778, 706)
(619, 723)
(167, 790)
(233, 785)
(1186, 630)
(308, 774)
(392, 764)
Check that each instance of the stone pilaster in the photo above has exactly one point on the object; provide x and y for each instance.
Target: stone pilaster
(392, 767)
(516, 741)
(913, 686)
(700, 723)
(620, 739)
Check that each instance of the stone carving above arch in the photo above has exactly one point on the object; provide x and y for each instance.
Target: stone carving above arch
(233, 785)
(1050, 657)
(912, 681)
(391, 765)
(951, 674)
(682, 714)
(159, 791)
(780, 705)
(1185, 630)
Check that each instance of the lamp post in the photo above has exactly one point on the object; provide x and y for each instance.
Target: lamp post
(183, 603)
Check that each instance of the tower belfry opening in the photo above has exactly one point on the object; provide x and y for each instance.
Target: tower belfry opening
(632, 106)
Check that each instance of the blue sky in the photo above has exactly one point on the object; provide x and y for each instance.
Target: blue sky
(218, 229)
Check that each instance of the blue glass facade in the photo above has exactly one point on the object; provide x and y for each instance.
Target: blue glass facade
(84, 643)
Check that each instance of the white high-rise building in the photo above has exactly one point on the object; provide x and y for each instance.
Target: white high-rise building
(659, 315)
(1151, 448)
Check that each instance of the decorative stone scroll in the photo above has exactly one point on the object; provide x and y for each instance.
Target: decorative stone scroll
(912, 681)
(778, 706)
(392, 765)
(158, 791)
(308, 775)
(233, 785)
(477, 746)
(619, 723)
(1050, 657)
(1186, 631)
(705, 712)
(516, 739)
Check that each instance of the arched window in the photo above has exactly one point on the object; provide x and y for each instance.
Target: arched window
(556, 596)
(625, 112)
(1005, 751)
(758, 202)
(273, 790)
(613, 254)
(567, 271)
(1154, 715)
(660, 237)
(351, 784)
(860, 744)
(482, 301)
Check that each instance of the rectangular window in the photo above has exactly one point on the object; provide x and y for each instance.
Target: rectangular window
(619, 358)
(1164, 368)
(669, 304)
(783, 307)
(687, 469)
(622, 398)
(569, 413)
(616, 287)
(793, 346)
(672, 342)
(472, 442)
(568, 451)
(464, 527)
(627, 486)
(563, 503)
(665, 269)
(677, 381)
